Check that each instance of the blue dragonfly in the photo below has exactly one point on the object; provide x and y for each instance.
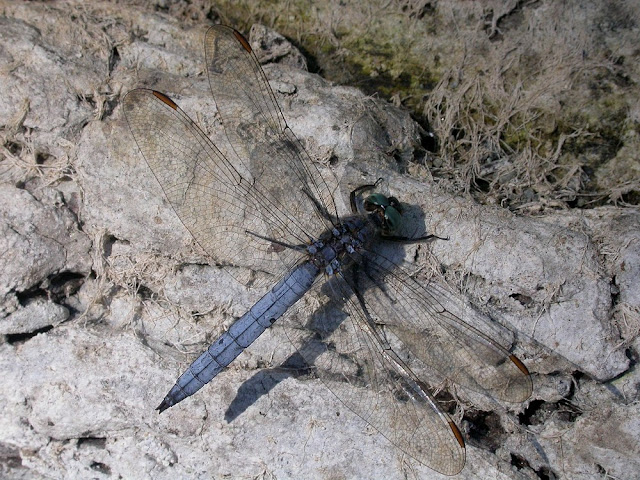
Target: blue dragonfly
(259, 207)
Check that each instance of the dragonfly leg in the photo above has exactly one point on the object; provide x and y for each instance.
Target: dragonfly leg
(408, 240)
(360, 189)
(320, 208)
(365, 268)
(357, 290)
(300, 248)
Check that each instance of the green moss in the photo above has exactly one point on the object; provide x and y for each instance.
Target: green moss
(376, 57)
(397, 50)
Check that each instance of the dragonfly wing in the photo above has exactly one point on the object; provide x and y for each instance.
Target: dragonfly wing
(440, 331)
(260, 138)
(213, 200)
(371, 381)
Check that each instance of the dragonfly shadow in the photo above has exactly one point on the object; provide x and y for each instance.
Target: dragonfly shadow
(295, 366)
(324, 320)
(262, 383)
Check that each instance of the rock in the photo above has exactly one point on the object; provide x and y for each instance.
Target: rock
(271, 47)
(35, 316)
(41, 240)
(105, 298)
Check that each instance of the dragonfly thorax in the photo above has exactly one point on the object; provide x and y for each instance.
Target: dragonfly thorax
(331, 252)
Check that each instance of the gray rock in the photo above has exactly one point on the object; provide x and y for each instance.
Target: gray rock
(271, 47)
(40, 239)
(36, 315)
(138, 301)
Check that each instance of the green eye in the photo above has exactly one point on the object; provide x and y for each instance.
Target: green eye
(378, 199)
(393, 218)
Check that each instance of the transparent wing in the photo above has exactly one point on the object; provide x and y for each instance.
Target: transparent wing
(230, 216)
(440, 331)
(353, 353)
(260, 138)
(356, 363)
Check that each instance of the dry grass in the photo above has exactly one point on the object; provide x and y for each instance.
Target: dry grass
(531, 102)
(534, 104)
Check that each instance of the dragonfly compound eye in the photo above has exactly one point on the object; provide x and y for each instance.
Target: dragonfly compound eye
(392, 218)
(376, 200)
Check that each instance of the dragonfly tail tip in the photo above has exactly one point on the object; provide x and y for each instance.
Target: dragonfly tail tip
(163, 406)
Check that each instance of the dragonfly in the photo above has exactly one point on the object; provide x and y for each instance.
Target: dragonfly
(259, 206)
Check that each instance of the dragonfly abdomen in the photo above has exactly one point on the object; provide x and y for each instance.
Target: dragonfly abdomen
(242, 333)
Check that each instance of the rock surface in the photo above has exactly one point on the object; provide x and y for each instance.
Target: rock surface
(98, 281)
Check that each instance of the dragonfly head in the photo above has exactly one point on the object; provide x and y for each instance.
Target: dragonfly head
(385, 211)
